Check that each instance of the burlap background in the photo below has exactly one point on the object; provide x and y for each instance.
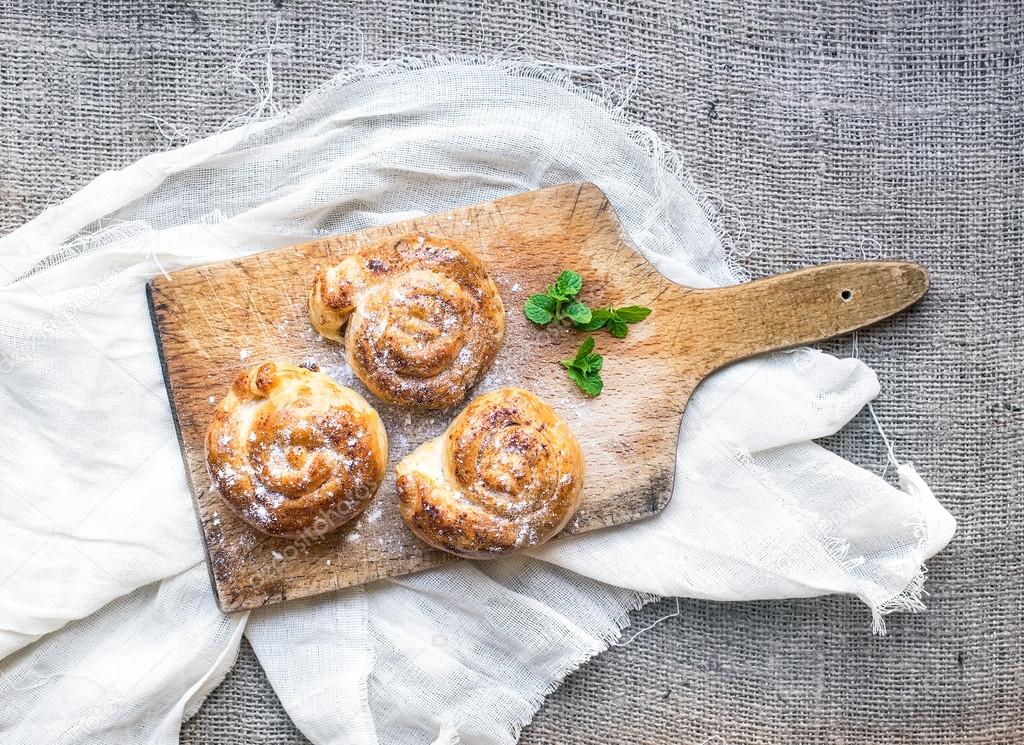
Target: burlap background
(894, 130)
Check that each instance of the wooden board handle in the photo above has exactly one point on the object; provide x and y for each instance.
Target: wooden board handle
(800, 307)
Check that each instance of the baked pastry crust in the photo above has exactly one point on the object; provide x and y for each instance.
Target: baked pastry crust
(507, 474)
(418, 315)
(293, 451)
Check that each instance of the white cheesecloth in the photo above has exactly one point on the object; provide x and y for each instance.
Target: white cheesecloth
(108, 627)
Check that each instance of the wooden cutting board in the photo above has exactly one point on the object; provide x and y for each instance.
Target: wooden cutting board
(213, 321)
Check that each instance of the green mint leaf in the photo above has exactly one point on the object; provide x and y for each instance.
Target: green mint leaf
(582, 365)
(568, 284)
(598, 318)
(632, 313)
(591, 385)
(576, 376)
(540, 309)
(585, 349)
(546, 302)
(578, 312)
(584, 369)
(617, 328)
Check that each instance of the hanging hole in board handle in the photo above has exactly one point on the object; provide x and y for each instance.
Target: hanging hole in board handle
(846, 296)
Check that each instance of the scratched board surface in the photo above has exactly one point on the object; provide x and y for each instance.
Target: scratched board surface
(213, 321)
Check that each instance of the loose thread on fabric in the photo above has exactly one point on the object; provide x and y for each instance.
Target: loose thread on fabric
(909, 599)
(264, 89)
(891, 459)
(633, 637)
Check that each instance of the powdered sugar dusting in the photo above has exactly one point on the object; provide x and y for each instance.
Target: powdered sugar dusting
(379, 529)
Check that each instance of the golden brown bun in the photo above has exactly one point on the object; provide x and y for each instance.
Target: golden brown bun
(293, 451)
(419, 317)
(506, 475)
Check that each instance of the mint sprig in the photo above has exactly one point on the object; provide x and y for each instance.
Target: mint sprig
(559, 302)
(585, 368)
(616, 319)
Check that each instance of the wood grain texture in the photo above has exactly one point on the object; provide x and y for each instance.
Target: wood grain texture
(212, 321)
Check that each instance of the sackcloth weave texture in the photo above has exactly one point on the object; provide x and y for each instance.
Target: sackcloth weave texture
(861, 129)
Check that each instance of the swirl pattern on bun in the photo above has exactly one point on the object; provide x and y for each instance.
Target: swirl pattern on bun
(293, 451)
(419, 317)
(507, 474)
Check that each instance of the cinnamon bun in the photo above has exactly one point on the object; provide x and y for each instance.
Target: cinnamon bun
(293, 451)
(418, 315)
(506, 475)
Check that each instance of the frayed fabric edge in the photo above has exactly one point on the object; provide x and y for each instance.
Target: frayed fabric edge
(619, 622)
(448, 733)
(932, 536)
(837, 548)
(907, 601)
(601, 91)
